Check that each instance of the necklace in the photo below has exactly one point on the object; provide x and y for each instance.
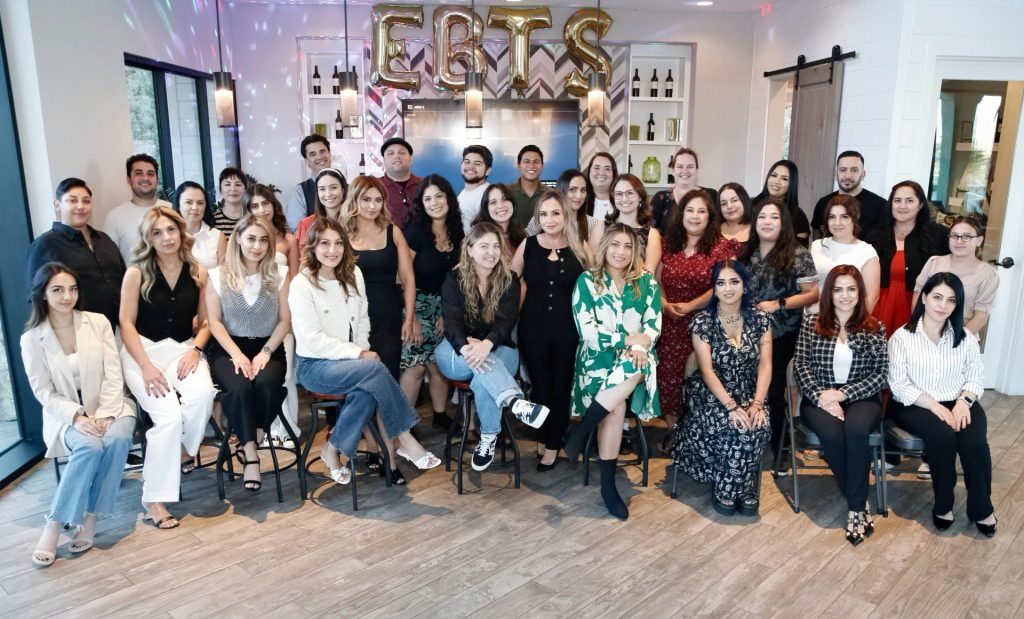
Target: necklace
(729, 319)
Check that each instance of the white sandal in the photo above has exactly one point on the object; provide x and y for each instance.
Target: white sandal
(340, 475)
(426, 461)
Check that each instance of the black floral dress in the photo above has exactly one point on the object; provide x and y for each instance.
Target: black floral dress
(707, 445)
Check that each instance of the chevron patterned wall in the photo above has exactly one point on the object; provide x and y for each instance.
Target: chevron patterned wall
(549, 65)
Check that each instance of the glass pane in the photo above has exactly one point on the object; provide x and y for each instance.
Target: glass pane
(183, 120)
(222, 139)
(142, 106)
(9, 432)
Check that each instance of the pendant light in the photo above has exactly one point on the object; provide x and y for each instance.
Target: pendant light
(349, 85)
(597, 85)
(474, 84)
(224, 86)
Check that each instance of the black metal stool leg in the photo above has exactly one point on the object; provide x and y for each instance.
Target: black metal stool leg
(515, 449)
(277, 466)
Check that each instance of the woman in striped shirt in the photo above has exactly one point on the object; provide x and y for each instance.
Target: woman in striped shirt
(936, 378)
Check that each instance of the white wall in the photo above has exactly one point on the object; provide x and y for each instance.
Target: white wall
(67, 71)
(267, 72)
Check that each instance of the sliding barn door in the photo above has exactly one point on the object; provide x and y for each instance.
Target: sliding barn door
(814, 129)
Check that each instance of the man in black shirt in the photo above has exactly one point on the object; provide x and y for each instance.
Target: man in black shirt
(87, 251)
(849, 175)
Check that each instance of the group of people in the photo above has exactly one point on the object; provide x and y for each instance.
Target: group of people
(689, 305)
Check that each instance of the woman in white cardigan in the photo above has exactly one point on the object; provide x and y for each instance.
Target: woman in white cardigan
(73, 367)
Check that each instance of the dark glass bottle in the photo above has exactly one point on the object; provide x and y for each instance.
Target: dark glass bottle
(316, 80)
(669, 84)
(335, 82)
(654, 84)
(339, 126)
(636, 83)
(362, 165)
(631, 164)
(650, 128)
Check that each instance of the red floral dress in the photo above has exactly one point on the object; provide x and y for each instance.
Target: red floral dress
(683, 278)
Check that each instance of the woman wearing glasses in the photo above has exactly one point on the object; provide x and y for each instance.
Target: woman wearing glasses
(979, 277)
(630, 207)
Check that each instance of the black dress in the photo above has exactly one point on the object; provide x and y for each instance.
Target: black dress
(384, 301)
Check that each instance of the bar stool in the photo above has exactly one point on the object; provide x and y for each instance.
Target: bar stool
(328, 404)
(639, 438)
(224, 457)
(465, 409)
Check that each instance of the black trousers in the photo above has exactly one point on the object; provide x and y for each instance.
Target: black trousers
(943, 444)
(249, 404)
(551, 365)
(846, 444)
(783, 348)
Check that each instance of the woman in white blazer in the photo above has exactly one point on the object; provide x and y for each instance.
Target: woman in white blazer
(73, 367)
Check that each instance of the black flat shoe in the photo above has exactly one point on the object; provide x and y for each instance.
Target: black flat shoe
(942, 524)
(541, 467)
(988, 530)
(726, 507)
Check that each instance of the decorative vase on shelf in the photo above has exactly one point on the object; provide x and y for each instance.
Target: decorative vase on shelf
(651, 172)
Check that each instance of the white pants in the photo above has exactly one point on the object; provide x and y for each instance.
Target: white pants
(290, 406)
(179, 418)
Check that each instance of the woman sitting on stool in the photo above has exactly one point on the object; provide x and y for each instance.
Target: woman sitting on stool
(936, 377)
(71, 360)
(480, 303)
(247, 306)
(840, 364)
(332, 351)
(617, 306)
(722, 439)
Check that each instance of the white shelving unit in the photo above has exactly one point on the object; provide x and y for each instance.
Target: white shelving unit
(325, 54)
(663, 57)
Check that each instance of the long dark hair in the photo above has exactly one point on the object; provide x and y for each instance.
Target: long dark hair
(791, 198)
(643, 210)
(277, 220)
(516, 234)
(318, 208)
(40, 311)
(583, 214)
(615, 175)
(781, 257)
(207, 210)
(746, 303)
(675, 233)
(860, 320)
(956, 318)
(924, 215)
(452, 221)
(744, 197)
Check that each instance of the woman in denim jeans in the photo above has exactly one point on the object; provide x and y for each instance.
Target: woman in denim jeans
(480, 304)
(332, 348)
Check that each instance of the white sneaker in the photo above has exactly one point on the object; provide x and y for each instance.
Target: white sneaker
(484, 453)
(923, 471)
(529, 413)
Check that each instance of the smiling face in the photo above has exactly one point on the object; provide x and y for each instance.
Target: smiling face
(61, 294)
(329, 251)
(486, 252)
(619, 253)
(499, 206)
(474, 169)
(728, 287)
(262, 208)
(731, 205)
(318, 157)
(75, 208)
(905, 205)
(849, 173)
(165, 237)
(964, 240)
(330, 192)
(601, 175)
(397, 162)
(530, 166)
(435, 202)
(626, 199)
(778, 182)
(845, 294)
(577, 194)
(939, 303)
(840, 224)
(232, 189)
(254, 244)
(551, 216)
(193, 205)
(769, 223)
(695, 217)
(143, 180)
(370, 204)
(685, 170)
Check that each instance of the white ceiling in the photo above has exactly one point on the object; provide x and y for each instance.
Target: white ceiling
(720, 6)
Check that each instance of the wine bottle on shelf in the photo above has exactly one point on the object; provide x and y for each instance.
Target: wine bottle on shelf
(339, 126)
(631, 164)
(636, 82)
(362, 164)
(650, 128)
(654, 84)
(671, 161)
(316, 80)
(669, 84)
(335, 82)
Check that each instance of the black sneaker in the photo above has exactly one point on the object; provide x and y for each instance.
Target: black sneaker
(529, 413)
(484, 453)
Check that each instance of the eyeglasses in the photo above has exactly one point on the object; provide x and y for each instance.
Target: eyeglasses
(966, 238)
(624, 194)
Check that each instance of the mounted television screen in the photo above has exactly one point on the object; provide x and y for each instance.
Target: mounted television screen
(436, 129)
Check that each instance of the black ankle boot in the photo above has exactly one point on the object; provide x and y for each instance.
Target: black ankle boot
(579, 432)
(616, 506)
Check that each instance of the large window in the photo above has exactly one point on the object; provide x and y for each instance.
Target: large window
(173, 119)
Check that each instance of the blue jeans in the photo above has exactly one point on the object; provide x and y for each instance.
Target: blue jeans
(92, 476)
(491, 388)
(367, 386)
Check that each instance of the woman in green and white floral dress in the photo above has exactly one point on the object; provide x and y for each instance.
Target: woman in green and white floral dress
(617, 306)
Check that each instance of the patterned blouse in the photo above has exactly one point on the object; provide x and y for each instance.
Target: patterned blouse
(766, 284)
(813, 362)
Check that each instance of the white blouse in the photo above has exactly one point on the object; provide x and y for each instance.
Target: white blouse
(602, 208)
(204, 248)
(918, 366)
(842, 361)
(829, 253)
(327, 322)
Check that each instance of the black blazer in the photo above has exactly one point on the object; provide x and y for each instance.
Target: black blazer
(926, 241)
(812, 363)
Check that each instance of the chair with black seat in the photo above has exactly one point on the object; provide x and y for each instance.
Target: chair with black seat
(465, 409)
(224, 457)
(639, 438)
(330, 406)
(793, 425)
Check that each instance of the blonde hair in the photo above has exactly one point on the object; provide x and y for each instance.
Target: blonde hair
(144, 255)
(482, 307)
(571, 231)
(350, 209)
(233, 268)
(635, 268)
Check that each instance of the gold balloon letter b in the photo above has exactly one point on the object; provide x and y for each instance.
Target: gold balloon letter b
(384, 49)
(520, 23)
(580, 21)
(468, 50)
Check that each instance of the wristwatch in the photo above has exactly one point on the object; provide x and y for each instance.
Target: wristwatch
(782, 303)
(266, 349)
(968, 401)
(197, 349)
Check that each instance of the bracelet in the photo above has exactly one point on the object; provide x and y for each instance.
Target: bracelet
(197, 349)
(966, 400)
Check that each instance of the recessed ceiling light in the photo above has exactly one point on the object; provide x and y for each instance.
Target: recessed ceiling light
(702, 3)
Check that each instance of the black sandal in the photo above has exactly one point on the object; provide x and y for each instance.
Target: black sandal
(373, 462)
(397, 478)
(252, 485)
(187, 466)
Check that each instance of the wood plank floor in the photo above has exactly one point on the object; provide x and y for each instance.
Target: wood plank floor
(546, 550)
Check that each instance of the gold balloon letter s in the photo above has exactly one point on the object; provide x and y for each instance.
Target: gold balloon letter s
(468, 50)
(519, 23)
(384, 49)
(580, 21)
